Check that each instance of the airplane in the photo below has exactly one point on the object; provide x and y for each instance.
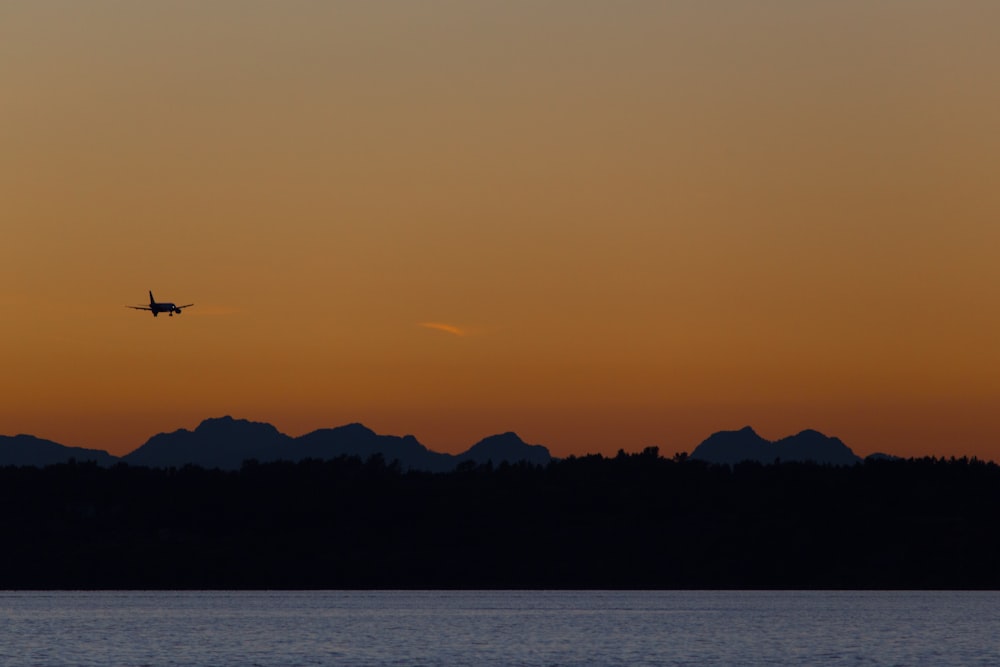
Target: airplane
(161, 307)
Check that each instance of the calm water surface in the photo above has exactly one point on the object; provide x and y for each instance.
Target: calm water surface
(499, 628)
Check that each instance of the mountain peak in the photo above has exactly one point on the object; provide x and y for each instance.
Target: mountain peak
(229, 424)
(27, 450)
(508, 438)
(217, 442)
(506, 447)
(731, 447)
(353, 430)
(811, 434)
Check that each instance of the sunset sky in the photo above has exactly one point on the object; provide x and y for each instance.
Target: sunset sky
(602, 225)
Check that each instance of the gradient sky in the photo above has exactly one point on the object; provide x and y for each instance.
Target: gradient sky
(601, 225)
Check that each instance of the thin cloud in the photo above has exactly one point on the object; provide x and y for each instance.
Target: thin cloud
(447, 328)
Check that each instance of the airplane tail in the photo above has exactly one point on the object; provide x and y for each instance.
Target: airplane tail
(151, 299)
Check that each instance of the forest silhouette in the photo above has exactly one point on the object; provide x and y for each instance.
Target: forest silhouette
(628, 521)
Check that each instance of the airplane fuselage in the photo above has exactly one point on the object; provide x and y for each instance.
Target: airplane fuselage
(157, 307)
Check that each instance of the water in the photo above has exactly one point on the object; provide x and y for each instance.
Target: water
(499, 628)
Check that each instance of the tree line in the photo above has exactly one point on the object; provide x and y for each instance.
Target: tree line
(629, 521)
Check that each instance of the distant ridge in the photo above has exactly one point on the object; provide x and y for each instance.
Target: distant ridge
(732, 447)
(221, 442)
(226, 443)
(27, 450)
(505, 447)
(358, 440)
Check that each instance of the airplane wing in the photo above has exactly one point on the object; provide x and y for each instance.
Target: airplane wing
(187, 306)
(140, 307)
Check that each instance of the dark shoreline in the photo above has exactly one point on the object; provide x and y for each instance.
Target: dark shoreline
(632, 522)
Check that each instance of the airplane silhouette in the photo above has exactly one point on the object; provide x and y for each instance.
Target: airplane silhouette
(161, 307)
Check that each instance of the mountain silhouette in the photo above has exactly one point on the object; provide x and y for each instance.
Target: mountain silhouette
(27, 450)
(881, 456)
(226, 443)
(505, 448)
(732, 447)
(358, 440)
(221, 442)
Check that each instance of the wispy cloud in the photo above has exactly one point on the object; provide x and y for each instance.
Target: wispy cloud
(447, 328)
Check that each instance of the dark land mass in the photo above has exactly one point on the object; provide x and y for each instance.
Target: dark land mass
(630, 521)
(27, 450)
(733, 447)
(225, 443)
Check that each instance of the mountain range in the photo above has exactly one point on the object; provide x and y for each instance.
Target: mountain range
(27, 450)
(226, 443)
(731, 447)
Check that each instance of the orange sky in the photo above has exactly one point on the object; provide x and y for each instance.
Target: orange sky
(602, 225)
